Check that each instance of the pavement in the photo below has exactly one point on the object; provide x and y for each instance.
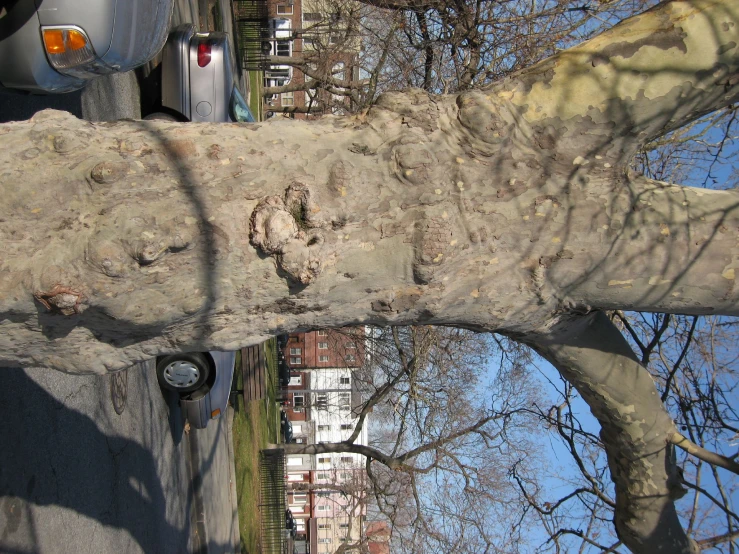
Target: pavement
(216, 516)
(92, 464)
(104, 465)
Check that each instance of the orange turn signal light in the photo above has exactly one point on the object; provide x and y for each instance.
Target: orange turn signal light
(76, 40)
(215, 413)
(58, 41)
(54, 41)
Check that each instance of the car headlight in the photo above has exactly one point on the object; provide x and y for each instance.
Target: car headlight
(70, 51)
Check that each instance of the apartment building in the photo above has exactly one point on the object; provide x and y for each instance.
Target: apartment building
(325, 491)
(309, 27)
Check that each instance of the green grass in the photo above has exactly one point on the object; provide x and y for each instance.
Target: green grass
(255, 425)
(273, 414)
(256, 81)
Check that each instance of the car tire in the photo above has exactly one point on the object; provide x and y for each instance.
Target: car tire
(183, 372)
(160, 116)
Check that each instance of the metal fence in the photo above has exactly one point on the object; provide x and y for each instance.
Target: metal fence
(252, 33)
(272, 500)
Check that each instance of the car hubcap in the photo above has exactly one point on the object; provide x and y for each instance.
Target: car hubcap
(181, 374)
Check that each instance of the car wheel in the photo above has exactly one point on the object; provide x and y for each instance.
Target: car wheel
(160, 115)
(183, 372)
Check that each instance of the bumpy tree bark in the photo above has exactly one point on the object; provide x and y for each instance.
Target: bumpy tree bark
(507, 209)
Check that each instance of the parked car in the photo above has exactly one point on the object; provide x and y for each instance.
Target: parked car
(199, 79)
(290, 523)
(283, 370)
(59, 45)
(287, 427)
(203, 381)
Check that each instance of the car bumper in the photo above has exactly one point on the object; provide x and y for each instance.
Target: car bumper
(24, 64)
(196, 408)
(176, 70)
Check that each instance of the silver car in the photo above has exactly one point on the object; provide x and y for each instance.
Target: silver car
(58, 45)
(199, 79)
(203, 381)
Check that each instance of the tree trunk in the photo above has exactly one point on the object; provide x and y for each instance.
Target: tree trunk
(508, 209)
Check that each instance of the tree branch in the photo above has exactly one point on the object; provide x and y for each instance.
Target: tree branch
(701, 453)
(634, 73)
(592, 354)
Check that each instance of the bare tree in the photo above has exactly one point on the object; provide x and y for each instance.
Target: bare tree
(510, 209)
(440, 420)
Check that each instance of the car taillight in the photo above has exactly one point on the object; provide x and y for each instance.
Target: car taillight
(203, 54)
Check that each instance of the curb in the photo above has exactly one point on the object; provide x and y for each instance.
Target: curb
(236, 534)
(199, 532)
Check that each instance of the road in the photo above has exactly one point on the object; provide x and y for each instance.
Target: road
(76, 476)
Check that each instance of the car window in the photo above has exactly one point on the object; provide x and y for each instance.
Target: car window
(238, 110)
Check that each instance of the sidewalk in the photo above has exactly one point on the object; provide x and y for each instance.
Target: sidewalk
(215, 518)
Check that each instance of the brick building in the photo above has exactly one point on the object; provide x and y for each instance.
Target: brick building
(303, 27)
(324, 490)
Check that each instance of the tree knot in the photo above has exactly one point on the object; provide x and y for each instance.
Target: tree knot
(289, 229)
(61, 299)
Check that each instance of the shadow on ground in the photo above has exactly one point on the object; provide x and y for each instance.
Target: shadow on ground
(54, 456)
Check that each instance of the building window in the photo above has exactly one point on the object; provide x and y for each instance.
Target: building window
(287, 99)
(323, 359)
(347, 459)
(299, 440)
(294, 461)
(343, 526)
(345, 399)
(344, 381)
(324, 526)
(350, 358)
(298, 400)
(322, 333)
(322, 345)
(324, 427)
(295, 360)
(296, 380)
(296, 351)
(351, 345)
(324, 540)
(346, 426)
(284, 10)
(322, 401)
(300, 498)
(324, 460)
(323, 476)
(311, 16)
(324, 494)
(324, 509)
